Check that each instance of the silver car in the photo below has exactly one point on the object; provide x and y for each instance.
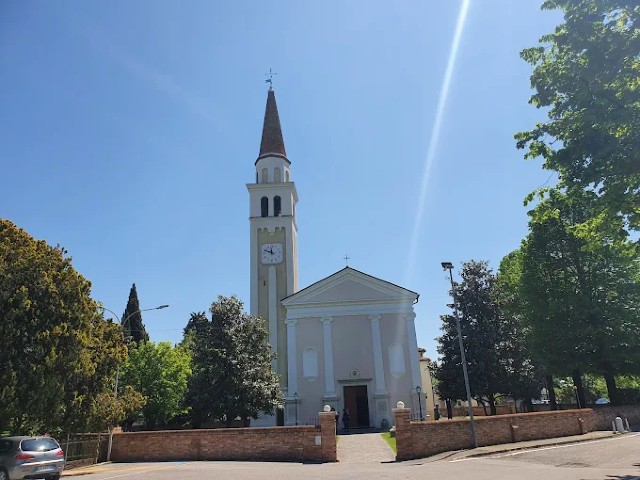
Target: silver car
(30, 457)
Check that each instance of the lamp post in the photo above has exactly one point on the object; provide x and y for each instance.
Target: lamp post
(419, 391)
(115, 388)
(449, 266)
(295, 399)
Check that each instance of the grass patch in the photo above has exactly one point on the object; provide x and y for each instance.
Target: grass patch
(390, 440)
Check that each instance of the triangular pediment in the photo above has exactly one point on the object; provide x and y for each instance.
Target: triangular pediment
(350, 286)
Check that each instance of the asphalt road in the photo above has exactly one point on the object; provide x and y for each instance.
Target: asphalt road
(615, 458)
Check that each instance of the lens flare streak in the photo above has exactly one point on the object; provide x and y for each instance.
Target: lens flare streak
(435, 134)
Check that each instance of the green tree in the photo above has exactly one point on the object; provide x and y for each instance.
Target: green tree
(496, 355)
(579, 290)
(160, 372)
(132, 319)
(58, 353)
(108, 410)
(232, 375)
(587, 76)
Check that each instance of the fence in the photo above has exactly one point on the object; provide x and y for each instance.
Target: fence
(80, 448)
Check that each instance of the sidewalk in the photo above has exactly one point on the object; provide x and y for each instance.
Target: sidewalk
(513, 447)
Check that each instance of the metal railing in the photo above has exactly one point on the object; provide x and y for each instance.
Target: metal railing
(80, 448)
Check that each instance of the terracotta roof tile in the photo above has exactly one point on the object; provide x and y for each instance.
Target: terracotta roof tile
(272, 141)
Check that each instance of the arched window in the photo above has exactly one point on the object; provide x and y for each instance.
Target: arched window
(396, 360)
(264, 207)
(310, 364)
(276, 174)
(277, 206)
(286, 175)
(265, 175)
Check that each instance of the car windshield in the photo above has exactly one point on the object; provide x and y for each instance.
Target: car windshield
(39, 445)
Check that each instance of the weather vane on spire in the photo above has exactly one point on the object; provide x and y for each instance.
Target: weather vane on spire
(270, 79)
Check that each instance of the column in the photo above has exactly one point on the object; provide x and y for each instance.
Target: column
(378, 365)
(292, 367)
(329, 381)
(273, 314)
(412, 343)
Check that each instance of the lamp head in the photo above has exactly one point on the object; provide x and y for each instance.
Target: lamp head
(446, 265)
(162, 306)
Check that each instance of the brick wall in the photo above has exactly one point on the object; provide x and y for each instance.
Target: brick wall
(422, 439)
(295, 444)
(604, 414)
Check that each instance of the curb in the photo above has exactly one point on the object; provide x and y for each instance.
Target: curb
(516, 448)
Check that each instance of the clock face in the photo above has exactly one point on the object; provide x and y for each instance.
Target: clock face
(271, 253)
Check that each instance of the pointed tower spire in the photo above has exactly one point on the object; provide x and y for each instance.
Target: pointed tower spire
(272, 143)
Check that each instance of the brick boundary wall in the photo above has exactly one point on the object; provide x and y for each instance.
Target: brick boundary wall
(604, 414)
(423, 439)
(289, 444)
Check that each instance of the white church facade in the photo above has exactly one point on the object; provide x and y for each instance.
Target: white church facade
(347, 340)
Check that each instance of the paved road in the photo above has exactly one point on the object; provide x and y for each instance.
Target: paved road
(623, 451)
(615, 458)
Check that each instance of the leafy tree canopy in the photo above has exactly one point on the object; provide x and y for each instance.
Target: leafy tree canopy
(160, 372)
(577, 288)
(58, 353)
(587, 75)
(232, 375)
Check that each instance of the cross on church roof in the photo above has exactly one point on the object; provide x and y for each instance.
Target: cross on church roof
(346, 259)
(270, 79)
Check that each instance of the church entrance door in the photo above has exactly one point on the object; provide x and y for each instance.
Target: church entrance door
(356, 400)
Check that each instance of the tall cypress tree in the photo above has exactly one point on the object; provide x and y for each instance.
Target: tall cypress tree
(132, 319)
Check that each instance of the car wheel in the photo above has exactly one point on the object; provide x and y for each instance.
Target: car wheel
(55, 477)
(3, 474)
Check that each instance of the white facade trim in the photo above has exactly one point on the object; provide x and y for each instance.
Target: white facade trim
(380, 387)
(393, 292)
(292, 367)
(329, 380)
(412, 342)
(348, 308)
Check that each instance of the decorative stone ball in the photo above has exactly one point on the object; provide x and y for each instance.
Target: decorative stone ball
(400, 404)
(326, 408)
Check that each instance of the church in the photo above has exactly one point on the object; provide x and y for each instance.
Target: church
(347, 340)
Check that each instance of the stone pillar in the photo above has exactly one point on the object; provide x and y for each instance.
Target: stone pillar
(378, 365)
(329, 380)
(412, 343)
(328, 436)
(292, 373)
(404, 443)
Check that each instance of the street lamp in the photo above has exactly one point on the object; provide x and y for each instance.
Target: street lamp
(295, 399)
(123, 323)
(449, 266)
(419, 391)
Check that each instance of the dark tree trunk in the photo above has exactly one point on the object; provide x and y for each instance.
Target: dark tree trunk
(577, 381)
(612, 389)
(553, 403)
(492, 405)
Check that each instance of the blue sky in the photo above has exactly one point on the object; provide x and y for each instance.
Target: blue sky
(129, 130)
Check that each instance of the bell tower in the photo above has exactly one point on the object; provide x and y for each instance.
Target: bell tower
(273, 230)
